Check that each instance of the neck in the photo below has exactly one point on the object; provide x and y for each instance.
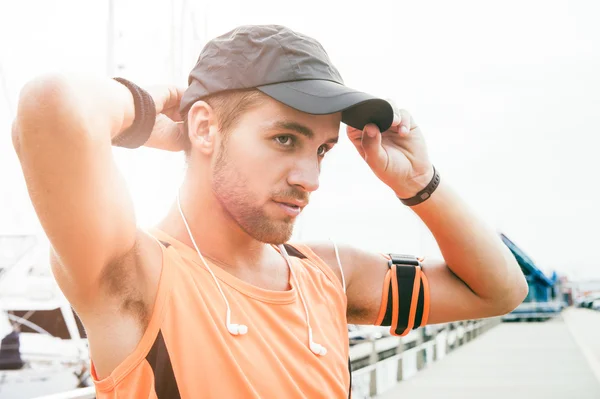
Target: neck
(216, 234)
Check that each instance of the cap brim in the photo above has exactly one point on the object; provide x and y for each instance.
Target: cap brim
(321, 97)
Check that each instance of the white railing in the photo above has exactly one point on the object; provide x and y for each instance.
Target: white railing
(412, 353)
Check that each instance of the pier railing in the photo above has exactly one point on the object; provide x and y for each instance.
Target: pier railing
(378, 364)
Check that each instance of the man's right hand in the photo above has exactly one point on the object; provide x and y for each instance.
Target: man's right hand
(168, 133)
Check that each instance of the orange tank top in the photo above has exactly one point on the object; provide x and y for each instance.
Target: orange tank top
(187, 352)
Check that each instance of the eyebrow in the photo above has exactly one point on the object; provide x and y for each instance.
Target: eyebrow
(299, 128)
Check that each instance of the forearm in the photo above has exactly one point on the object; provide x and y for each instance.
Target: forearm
(473, 251)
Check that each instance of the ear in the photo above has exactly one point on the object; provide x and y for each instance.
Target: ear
(202, 127)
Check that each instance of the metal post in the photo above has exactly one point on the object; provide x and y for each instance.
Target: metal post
(421, 354)
(451, 332)
(110, 40)
(400, 349)
(373, 359)
(435, 348)
(469, 332)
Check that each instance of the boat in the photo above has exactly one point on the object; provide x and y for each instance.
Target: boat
(44, 347)
(543, 301)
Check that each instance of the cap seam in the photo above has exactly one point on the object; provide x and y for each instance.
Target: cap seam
(286, 55)
(300, 80)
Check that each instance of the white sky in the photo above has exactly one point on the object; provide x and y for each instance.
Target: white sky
(507, 93)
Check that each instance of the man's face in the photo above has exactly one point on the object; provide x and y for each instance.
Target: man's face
(263, 175)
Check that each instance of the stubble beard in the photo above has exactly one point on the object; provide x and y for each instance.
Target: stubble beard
(232, 193)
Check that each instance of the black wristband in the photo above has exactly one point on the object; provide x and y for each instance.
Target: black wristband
(424, 194)
(139, 132)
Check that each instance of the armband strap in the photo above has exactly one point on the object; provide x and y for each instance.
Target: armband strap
(405, 296)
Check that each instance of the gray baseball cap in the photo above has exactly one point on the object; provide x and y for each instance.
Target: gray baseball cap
(290, 67)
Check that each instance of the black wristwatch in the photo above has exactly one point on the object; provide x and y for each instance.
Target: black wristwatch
(424, 194)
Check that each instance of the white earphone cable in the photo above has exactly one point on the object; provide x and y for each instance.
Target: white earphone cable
(337, 256)
(320, 350)
(240, 328)
(228, 315)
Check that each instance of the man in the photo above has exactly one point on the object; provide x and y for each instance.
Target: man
(211, 303)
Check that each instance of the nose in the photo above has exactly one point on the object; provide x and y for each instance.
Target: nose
(305, 174)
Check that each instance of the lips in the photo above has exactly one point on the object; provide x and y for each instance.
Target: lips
(293, 203)
(291, 207)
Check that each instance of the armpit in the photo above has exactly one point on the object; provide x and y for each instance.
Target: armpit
(119, 280)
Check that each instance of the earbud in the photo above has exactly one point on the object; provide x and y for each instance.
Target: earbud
(237, 329)
(317, 349)
(234, 329)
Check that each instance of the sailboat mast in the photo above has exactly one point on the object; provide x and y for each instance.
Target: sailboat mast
(110, 40)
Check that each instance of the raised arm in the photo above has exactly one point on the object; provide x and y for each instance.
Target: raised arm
(478, 276)
(62, 135)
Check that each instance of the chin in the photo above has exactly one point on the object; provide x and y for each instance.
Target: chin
(275, 233)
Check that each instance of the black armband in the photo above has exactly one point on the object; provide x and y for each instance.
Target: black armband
(405, 298)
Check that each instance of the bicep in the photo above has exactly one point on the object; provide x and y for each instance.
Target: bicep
(450, 298)
(444, 296)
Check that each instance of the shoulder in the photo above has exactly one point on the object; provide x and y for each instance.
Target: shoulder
(324, 250)
(344, 260)
(323, 253)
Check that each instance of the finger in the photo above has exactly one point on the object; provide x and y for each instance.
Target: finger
(406, 123)
(173, 114)
(166, 97)
(355, 136)
(371, 145)
(167, 135)
(396, 110)
(172, 103)
(173, 98)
